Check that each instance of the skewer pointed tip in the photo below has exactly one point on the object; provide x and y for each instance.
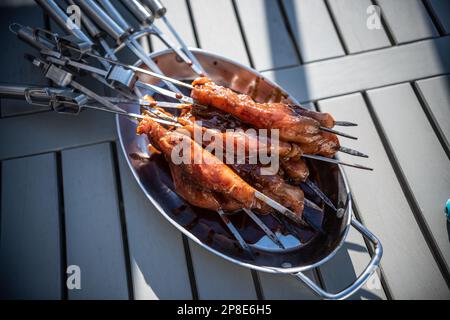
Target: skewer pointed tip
(345, 124)
(345, 135)
(335, 161)
(353, 152)
(272, 236)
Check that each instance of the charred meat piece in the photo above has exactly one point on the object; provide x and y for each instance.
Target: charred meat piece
(293, 127)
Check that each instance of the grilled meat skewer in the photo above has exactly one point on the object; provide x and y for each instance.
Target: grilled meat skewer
(209, 171)
(293, 128)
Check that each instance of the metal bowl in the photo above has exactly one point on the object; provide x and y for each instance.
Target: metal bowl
(206, 228)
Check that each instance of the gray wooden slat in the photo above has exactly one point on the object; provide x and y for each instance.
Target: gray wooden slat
(15, 69)
(93, 228)
(282, 287)
(267, 37)
(30, 260)
(423, 162)
(349, 74)
(408, 265)
(11, 107)
(313, 29)
(436, 93)
(178, 14)
(441, 9)
(219, 279)
(156, 250)
(218, 29)
(408, 20)
(43, 132)
(349, 262)
(351, 17)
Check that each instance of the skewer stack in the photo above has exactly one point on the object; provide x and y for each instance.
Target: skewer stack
(305, 134)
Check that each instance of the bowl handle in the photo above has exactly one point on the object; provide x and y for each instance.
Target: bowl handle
(361, 280)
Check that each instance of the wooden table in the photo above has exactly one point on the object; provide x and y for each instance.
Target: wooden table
(68, 198)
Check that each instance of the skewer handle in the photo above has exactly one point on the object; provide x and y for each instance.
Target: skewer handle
(28, 35)
(144, 16)
(91, 28)
(156, 7)
(61, 18)
(16, 92)
(115, 14)
(102, 19)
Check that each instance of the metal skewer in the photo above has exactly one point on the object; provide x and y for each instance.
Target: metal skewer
(59, 16)
(353, 152)
(272, 236)
(104, 21)
(345, 124)
(64, 78)
(143, 71)
(166, 92)
(159, 12)
(320, 193)
(312, 205)
(146, 19)
(338, 133)
(331, 160)
(235, 233)
(278, 207)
